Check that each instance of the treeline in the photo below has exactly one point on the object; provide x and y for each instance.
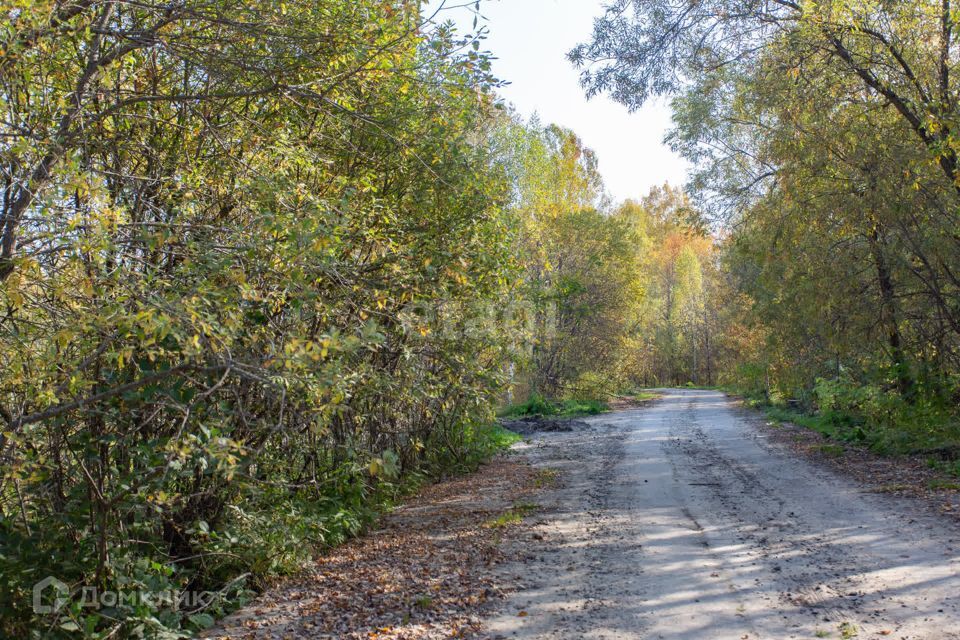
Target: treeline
(825, 136)
(223, 226)
(619, 296)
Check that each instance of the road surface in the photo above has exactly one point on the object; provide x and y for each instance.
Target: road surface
(679, 521)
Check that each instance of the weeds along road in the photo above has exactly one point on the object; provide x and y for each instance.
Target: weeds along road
(678, 520)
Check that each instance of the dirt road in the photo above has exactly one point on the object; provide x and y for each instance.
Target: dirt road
(678, 520)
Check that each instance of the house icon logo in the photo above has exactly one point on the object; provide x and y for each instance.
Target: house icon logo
(49, 595)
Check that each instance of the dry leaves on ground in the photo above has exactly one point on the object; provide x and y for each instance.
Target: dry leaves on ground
(426, 573)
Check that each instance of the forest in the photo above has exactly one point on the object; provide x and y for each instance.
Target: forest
(266, 266)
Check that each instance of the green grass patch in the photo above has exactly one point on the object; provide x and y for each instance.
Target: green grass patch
(904, 429)
(830, 450)
(537, 405)
(500, 438)
(513, 515)
(949, 467)
(574, 408)
(902, 433)
(944, 485)
(819, 423)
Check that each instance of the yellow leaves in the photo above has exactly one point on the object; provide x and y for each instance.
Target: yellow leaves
(12, 290)
(458, 277)
(320, 244)
(160, 498)
(123, 357)
(298, 350)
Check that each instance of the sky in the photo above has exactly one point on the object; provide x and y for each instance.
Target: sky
(530, 39)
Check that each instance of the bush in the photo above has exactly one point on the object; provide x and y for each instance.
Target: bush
(880, 418)
(592, 387)
(537, 405)
(214, 360)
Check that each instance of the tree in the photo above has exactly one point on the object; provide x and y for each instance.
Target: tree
(903, 53)
(248, 252)
(580, 263)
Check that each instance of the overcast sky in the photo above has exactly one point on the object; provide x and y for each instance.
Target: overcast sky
(530, 39)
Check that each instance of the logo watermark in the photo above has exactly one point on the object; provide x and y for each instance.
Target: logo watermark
(51, 595)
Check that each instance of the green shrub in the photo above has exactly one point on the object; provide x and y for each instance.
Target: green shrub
(537, 405)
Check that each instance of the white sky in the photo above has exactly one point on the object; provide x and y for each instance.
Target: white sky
(530, 39)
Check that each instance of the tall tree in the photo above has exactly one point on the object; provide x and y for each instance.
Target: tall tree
(902, 52)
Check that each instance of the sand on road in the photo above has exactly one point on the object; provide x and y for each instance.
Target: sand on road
(678, 520)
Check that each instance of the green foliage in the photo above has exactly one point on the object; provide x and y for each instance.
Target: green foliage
(590, 386)
(253, 277)
(572, 408)
(580, 277)
(947, 466)
(537, 405)
(884, 421)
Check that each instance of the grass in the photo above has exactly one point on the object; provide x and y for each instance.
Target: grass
(830, 450)
(513, 515)
(501, 438)
(950, 467)
(944, 485)
(910, 430)
(539, 406)
(819, 423)
(881, 420)
(902, 439)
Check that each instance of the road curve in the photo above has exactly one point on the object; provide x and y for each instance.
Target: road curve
(679, 521)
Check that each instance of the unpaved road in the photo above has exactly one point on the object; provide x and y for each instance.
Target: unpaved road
(678, 520)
